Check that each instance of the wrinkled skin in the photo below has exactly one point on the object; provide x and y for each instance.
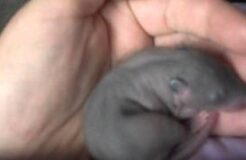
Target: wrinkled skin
(54, 51)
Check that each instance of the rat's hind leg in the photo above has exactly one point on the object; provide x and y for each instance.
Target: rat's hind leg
(150, 136)
(195, 140)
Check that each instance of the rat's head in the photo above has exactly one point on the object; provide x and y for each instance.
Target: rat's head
(203, 83)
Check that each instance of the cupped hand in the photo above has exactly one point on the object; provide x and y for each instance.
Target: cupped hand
(53, 52)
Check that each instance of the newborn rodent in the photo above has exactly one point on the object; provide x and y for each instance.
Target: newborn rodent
(144, 108)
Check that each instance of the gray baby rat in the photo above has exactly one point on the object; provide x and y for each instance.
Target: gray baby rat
(139, 111)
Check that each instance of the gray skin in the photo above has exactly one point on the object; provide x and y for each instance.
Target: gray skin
(140, 110)
(7, 9)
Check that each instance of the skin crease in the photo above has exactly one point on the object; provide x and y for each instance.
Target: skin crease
(43, 67)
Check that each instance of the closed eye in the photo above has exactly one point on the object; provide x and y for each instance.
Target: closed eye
(177, 84)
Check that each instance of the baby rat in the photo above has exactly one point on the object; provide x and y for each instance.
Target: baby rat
(140, 110)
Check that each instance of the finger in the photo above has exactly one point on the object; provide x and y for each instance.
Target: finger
(216, 20)
(185, 39)
(231, 124)
(45, 15)
(79, 7)
(238, 61)
(126, 34)
(227, 27)
(52, 28)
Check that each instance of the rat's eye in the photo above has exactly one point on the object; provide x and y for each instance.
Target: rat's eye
(177, 84)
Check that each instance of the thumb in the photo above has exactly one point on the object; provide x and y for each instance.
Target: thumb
(44, 43)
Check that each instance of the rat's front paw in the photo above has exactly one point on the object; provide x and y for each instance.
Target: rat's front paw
(204, 121)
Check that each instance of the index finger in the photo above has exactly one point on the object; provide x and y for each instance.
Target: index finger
(227, 27)
(216, 20)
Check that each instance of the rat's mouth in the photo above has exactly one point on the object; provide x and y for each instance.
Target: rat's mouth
(185, 112)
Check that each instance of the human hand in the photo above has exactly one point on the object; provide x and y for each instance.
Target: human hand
(54, 51)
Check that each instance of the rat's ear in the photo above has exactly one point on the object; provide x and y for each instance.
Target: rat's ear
(177, 84)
